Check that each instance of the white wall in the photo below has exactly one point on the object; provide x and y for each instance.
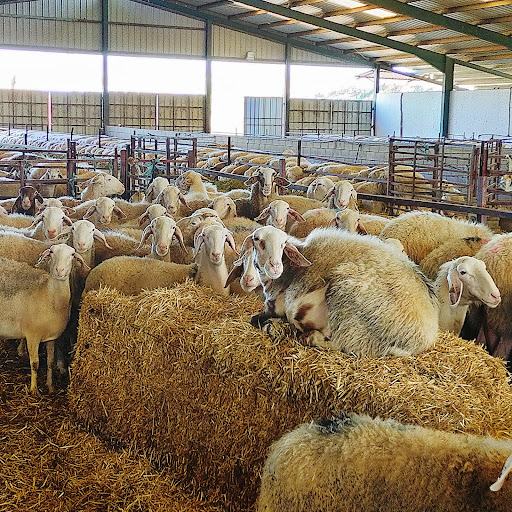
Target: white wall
(408, 114)
(473, 114)
(480, 113)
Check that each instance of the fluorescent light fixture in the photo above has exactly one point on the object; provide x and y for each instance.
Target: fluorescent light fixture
(381, 13)
(403, 69)
(349, 4)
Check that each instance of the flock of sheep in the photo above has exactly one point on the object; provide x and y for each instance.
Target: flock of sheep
(357, 283)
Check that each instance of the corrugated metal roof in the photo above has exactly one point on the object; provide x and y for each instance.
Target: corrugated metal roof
(395, 26)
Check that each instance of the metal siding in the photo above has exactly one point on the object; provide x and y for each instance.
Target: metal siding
(231, 44)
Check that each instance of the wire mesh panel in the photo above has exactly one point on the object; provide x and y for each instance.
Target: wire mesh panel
(180, 112)
(263, 116)
(330, 116)
(24, 108)
(80, 111)
(496, 172)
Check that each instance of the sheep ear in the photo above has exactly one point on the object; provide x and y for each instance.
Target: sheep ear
(45, 254)
(89, 212)
(507, 467)
(204, 178)
(83, 185)
(353, 194)
(253, 179)
(231, 242)
(98, 178)
(81, 260)
(142, 219)
(120, 214)
(296, 216)
(63, 237)
(179, 235)
(236, 273)
(455, 287)
(100, 236)
(297, 259)
(331, 192)
(247, 244)
(361, 229)
(67, 220)
(149, 190)
(198, 242)
(37, 220)
(39, 197)
(16, 205)
(333, 223)
(68, 210)
(145, 235)
(264, 214)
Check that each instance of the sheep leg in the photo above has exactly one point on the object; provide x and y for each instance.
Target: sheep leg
(22, 348)
(50, 361)
(269, 312)
(315, 339)
(33, 354)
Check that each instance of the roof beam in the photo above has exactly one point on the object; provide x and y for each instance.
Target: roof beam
(246, 14)
(333, 53)
(211, 5)
(444, 21)
(435, 59)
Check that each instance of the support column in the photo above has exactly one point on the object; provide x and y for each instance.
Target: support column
(447, 89)
(207, 112)
(376, 89)
(105, 103)
(286, 106)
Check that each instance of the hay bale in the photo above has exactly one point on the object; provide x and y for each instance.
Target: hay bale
(181, 377)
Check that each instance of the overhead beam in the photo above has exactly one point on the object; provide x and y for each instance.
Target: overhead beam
(444, 21)
(105, 99)
(433, 58)
(217, 19)
(446, 95)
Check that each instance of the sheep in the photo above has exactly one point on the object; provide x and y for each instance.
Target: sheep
(102, 184)
(422, 232)
(50, 190)
(224, 206)
(16, 246)
(121, 245)
(171, 197)
(152, 212)
(188, 225)
(315, 218)
(191, 184)
(16, 220)
(450, 250)
(461, 282)
(138, 197)
(245, 270)
(35, 305)
(54, 201)
(209, 256)
(264, 182)
(277, 213)
(349, 220)
(155, 187)
(345, 292)
(82, 236)
(3, 211)
(162, 230)
(301, 204)
(495, 332)
(354, 462)
(101, 210)
(319, 188)
(25, 203)
(131, 275)
(342, 195)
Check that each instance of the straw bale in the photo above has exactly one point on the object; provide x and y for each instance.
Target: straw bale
(184, 379)
(49, 463)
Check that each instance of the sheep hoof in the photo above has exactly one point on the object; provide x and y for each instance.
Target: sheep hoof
(256, 321)
(278, 329)
(314, 339)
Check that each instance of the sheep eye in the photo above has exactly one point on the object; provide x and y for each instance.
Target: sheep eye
(463, 272)
(262, 244)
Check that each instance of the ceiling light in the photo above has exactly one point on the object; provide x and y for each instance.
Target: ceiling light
(381, 13)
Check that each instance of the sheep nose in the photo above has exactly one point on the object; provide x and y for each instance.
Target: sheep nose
(52, 233)
(496, 296)
(162, 248)
(81, 246)
(216, 256)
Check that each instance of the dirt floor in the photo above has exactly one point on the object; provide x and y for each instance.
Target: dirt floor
(49, 463)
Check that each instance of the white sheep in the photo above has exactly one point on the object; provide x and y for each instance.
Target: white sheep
(354, 294)
(342, 195)
(350, 221)
(354, 462)
(224, 206)
(210, 258)
(102, 184)
(155, 187)
(245, 270)
(100, 211)
(162, 230)
(170, 198)
(315, 218)
(191, 183)
(131, 275)
(319, 188)
(35, 305)
(16, 246)
(82, 236)
(461, 282)
(422, 232)
(277, 213)
(152, 212)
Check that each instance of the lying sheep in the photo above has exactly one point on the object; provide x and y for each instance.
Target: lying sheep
(448, 251)
(422, 232)
(461, 282)
(346, 292)
(209, 256)
(131, 275)
(277, 213)
(25, 203)
(191, 183)
(35, 304)
(355, 462)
